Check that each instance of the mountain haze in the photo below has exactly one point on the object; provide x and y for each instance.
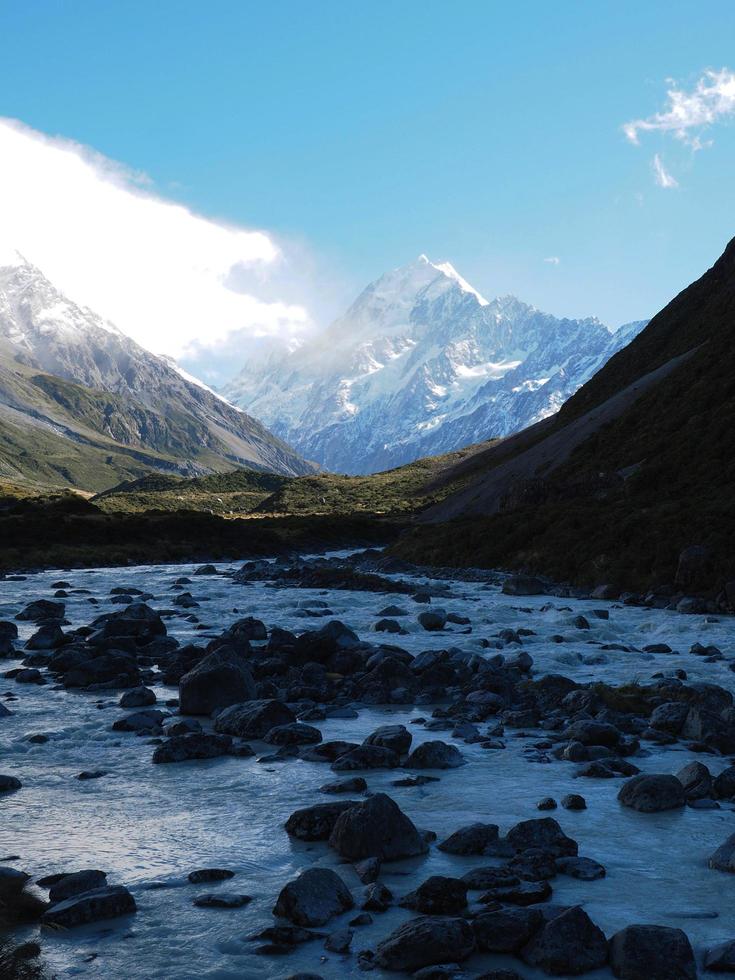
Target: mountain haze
(83, 404)
(422, 364)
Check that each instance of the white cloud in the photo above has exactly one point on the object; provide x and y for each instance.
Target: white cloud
(169, 278)
(662, 177)
(687, 114)
(552, 260)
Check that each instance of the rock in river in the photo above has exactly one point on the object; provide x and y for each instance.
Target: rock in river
(91, 906)
(220, 680)
(313, 898)
(253, 719)
(568, 945)
(378, 828)
(435, 755)
(652, 793)
(425, 941)
(644, 952)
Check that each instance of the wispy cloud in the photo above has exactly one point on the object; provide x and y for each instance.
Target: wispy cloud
(552, 260)
(688, 113)
(175, 281)
(662, 177)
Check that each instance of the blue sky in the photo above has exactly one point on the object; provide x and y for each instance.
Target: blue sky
(487, 134)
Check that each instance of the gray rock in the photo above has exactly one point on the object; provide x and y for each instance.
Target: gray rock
(9, 784)
(91, 906)
(506, 930)
(696, 780)
(394, 737)
(222, 900)
(433, 619)
(472, 839)
(181, 748)
(376, 828)
(253, 719)
(543, 833)
(75, 884)
(643, 952)
(723, 858)
(721, 958)
(137, 697)
(313, 898)
(580, 867)
(316, 822)
(356, 784)
(366, 757)
(425, 941)
(567, 945)
(339, 941)
(296, 733)
(438, 895)
(652, 793)
(435, 755)
(207, 875)
(220, 680)
(523, 585)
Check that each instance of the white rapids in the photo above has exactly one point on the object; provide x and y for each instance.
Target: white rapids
(147, 826)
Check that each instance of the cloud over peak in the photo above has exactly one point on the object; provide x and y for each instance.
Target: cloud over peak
(688, 113)
(171, 279)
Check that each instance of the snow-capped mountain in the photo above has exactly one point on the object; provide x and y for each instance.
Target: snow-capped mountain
(421, 363)
(70, 375)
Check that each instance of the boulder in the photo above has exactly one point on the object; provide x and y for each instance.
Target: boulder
(543, 833)
(75, 884)
(356, 784)
(91, 906)
(652, 793)
(669, 717)
(433, 619)
(472, 839)
(295, 733)
(506, 930)
(366, 757)
(435, 755)
(394, 737)
(378, 828)
(696, 780)
(425, 941)
(137, 697)
(523, 585)
(721, 958)
(723, 859)
(220, 680)
(195, 745)
(567, 945)
(724, 784)
(253, 719)
(316, 822)
(643, 952)
(438, 895)
(313, 898)
(42, 610)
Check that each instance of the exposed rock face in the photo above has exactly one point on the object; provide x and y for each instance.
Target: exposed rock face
(425, 941)
(314, 898)
(376, 828)
(643, 952)
(421, 364)
(652, 793)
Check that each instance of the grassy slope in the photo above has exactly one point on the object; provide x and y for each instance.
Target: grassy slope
(399, 491)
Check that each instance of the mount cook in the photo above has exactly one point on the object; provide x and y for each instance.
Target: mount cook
(422, 364)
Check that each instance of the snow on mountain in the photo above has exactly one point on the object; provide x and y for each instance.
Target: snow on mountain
(421, 363)
(156, 406)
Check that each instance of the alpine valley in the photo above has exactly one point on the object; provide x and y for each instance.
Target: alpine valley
(422, 364)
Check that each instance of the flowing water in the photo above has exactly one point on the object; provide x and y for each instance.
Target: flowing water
(147, 826)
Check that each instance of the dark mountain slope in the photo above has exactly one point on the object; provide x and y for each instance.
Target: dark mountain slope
(637, 466)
